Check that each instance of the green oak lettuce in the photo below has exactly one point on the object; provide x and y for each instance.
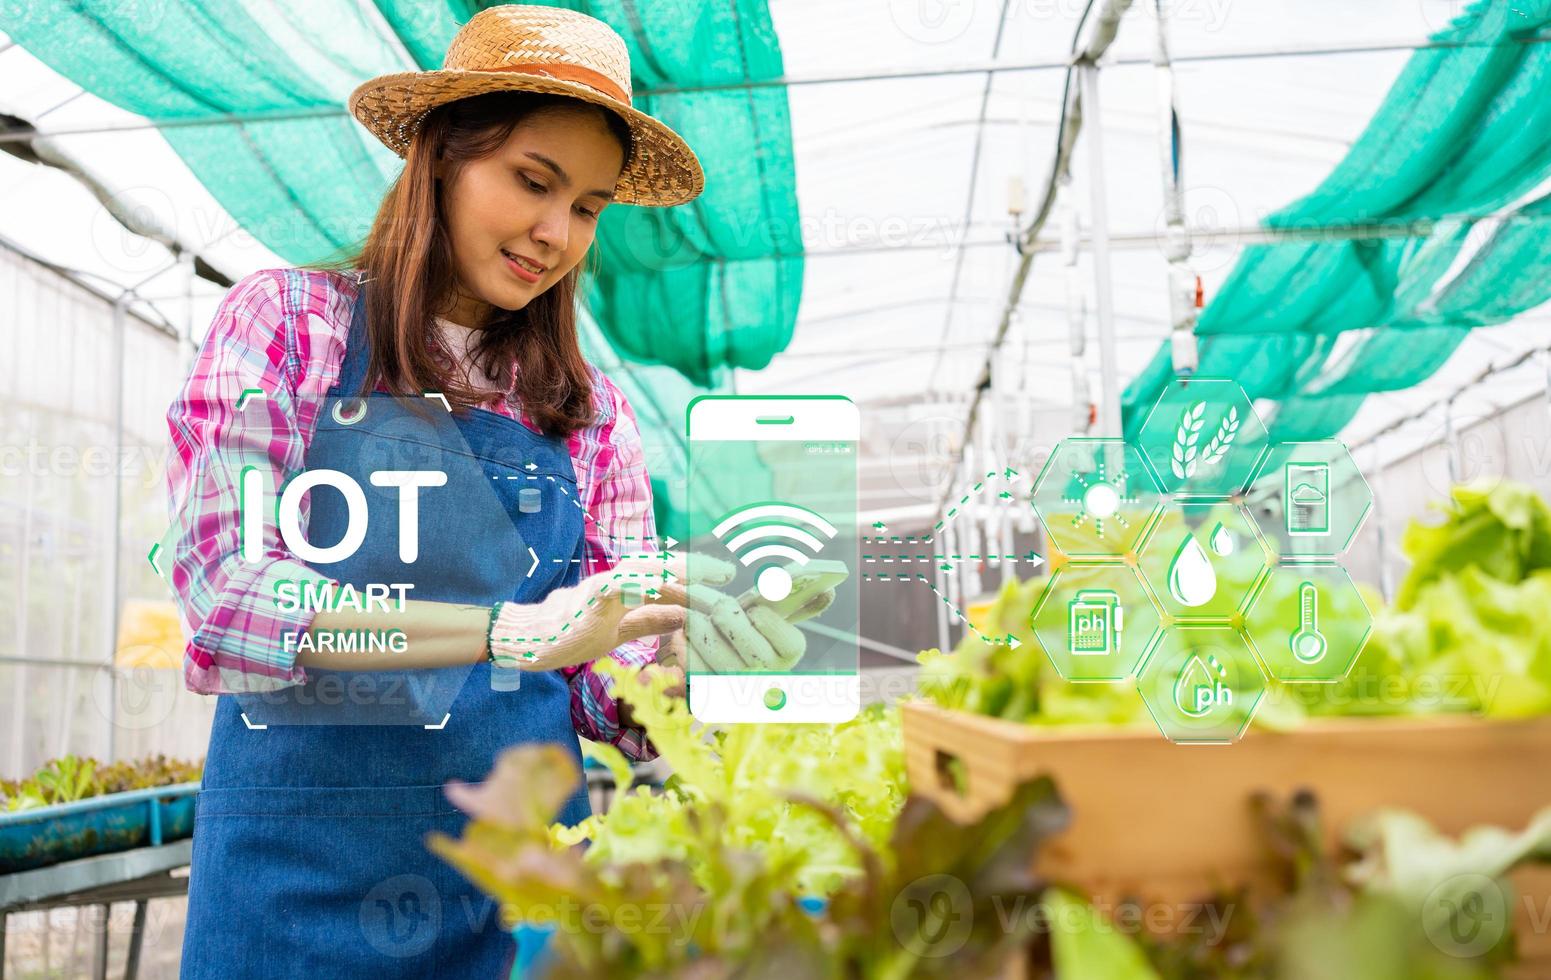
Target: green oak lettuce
(1468, 633)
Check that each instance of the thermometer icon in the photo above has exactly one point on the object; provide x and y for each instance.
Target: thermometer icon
(1308, 644)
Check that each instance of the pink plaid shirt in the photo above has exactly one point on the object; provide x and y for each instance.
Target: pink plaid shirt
(283, 332)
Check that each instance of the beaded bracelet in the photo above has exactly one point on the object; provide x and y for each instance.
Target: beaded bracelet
(495, 611)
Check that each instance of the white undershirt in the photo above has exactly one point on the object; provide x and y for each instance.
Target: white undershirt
(460, 340)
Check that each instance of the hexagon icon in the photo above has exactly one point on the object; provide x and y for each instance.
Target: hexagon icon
(1201, 684)
(1202, 438)
(1096, 497)
(1309, 498)
(1204, 561)
(1095, 621)
(1308, 623)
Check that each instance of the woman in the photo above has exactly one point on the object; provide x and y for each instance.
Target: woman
(309, 854)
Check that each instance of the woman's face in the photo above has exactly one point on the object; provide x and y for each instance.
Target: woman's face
(535, 201)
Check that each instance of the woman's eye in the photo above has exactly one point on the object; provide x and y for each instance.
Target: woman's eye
(591, 214)
(533, 185)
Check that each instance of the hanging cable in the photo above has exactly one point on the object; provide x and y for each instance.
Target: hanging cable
(1067, 128)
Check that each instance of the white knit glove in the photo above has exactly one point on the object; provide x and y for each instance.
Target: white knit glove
(582, 622)
(759, 637)
(722, 635)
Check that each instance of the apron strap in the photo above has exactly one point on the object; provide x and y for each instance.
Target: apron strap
(353, 371)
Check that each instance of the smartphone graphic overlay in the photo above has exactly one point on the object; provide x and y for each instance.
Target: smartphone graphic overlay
(772, 491)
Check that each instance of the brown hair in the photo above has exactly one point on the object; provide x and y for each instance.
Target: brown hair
(407, 259)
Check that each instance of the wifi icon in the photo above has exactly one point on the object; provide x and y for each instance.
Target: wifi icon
(770, 532)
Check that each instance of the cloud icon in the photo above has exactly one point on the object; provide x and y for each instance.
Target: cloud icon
(1307, 493)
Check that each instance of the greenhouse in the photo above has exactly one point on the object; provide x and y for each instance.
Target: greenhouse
(1028, 488)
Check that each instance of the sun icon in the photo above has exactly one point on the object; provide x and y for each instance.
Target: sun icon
(1099, 495)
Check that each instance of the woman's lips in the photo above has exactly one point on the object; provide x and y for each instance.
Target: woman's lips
(519, 271)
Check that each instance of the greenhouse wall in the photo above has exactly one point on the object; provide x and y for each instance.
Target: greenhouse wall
(70, 680)
(1513, 444)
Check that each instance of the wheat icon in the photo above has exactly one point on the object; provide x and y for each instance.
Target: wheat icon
(1185, 438)
(1217, 446)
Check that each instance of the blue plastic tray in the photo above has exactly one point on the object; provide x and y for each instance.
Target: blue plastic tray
(533, 942)
(99, 825)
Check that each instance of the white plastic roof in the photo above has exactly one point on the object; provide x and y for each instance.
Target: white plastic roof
(1270, 95)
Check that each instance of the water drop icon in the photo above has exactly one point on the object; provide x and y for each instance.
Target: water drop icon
(1222, 540)
(1193, 679)
(1199, 687)
(1191, 579)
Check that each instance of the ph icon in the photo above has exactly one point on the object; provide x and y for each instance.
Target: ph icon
(1199, 688)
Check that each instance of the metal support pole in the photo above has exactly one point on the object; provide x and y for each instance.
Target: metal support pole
(115, 556)
(1451, 442)
(100, 948)
(136, 937)
(24, 577)
(944, 640)
(1380, 471)
(1176, 238)
(1544, 359)
(944, 637)
(1109, 371)
(187, 348)
(1076, 309)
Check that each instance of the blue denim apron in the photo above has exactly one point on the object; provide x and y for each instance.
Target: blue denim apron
(309, 841)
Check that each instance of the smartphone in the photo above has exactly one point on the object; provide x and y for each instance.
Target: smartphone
(773, 491)
(807, 581)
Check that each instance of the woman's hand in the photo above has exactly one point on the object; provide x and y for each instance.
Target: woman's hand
(722, 636)
(582, 622)
(717, 648)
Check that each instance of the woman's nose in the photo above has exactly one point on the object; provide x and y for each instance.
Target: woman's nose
(552, 230)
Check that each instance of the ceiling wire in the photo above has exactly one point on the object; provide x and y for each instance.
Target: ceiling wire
(313, 112)
(969, 197)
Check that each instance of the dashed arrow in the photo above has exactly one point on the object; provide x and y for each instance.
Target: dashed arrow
(945, 562)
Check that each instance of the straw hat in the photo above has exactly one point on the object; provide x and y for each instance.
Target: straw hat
(537, 49)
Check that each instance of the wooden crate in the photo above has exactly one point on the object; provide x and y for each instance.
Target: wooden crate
(1166, 822)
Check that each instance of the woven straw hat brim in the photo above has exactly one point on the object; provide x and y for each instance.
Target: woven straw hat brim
(663, 171)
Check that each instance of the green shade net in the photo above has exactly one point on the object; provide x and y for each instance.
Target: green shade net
(1465, 132)
(695, 289)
